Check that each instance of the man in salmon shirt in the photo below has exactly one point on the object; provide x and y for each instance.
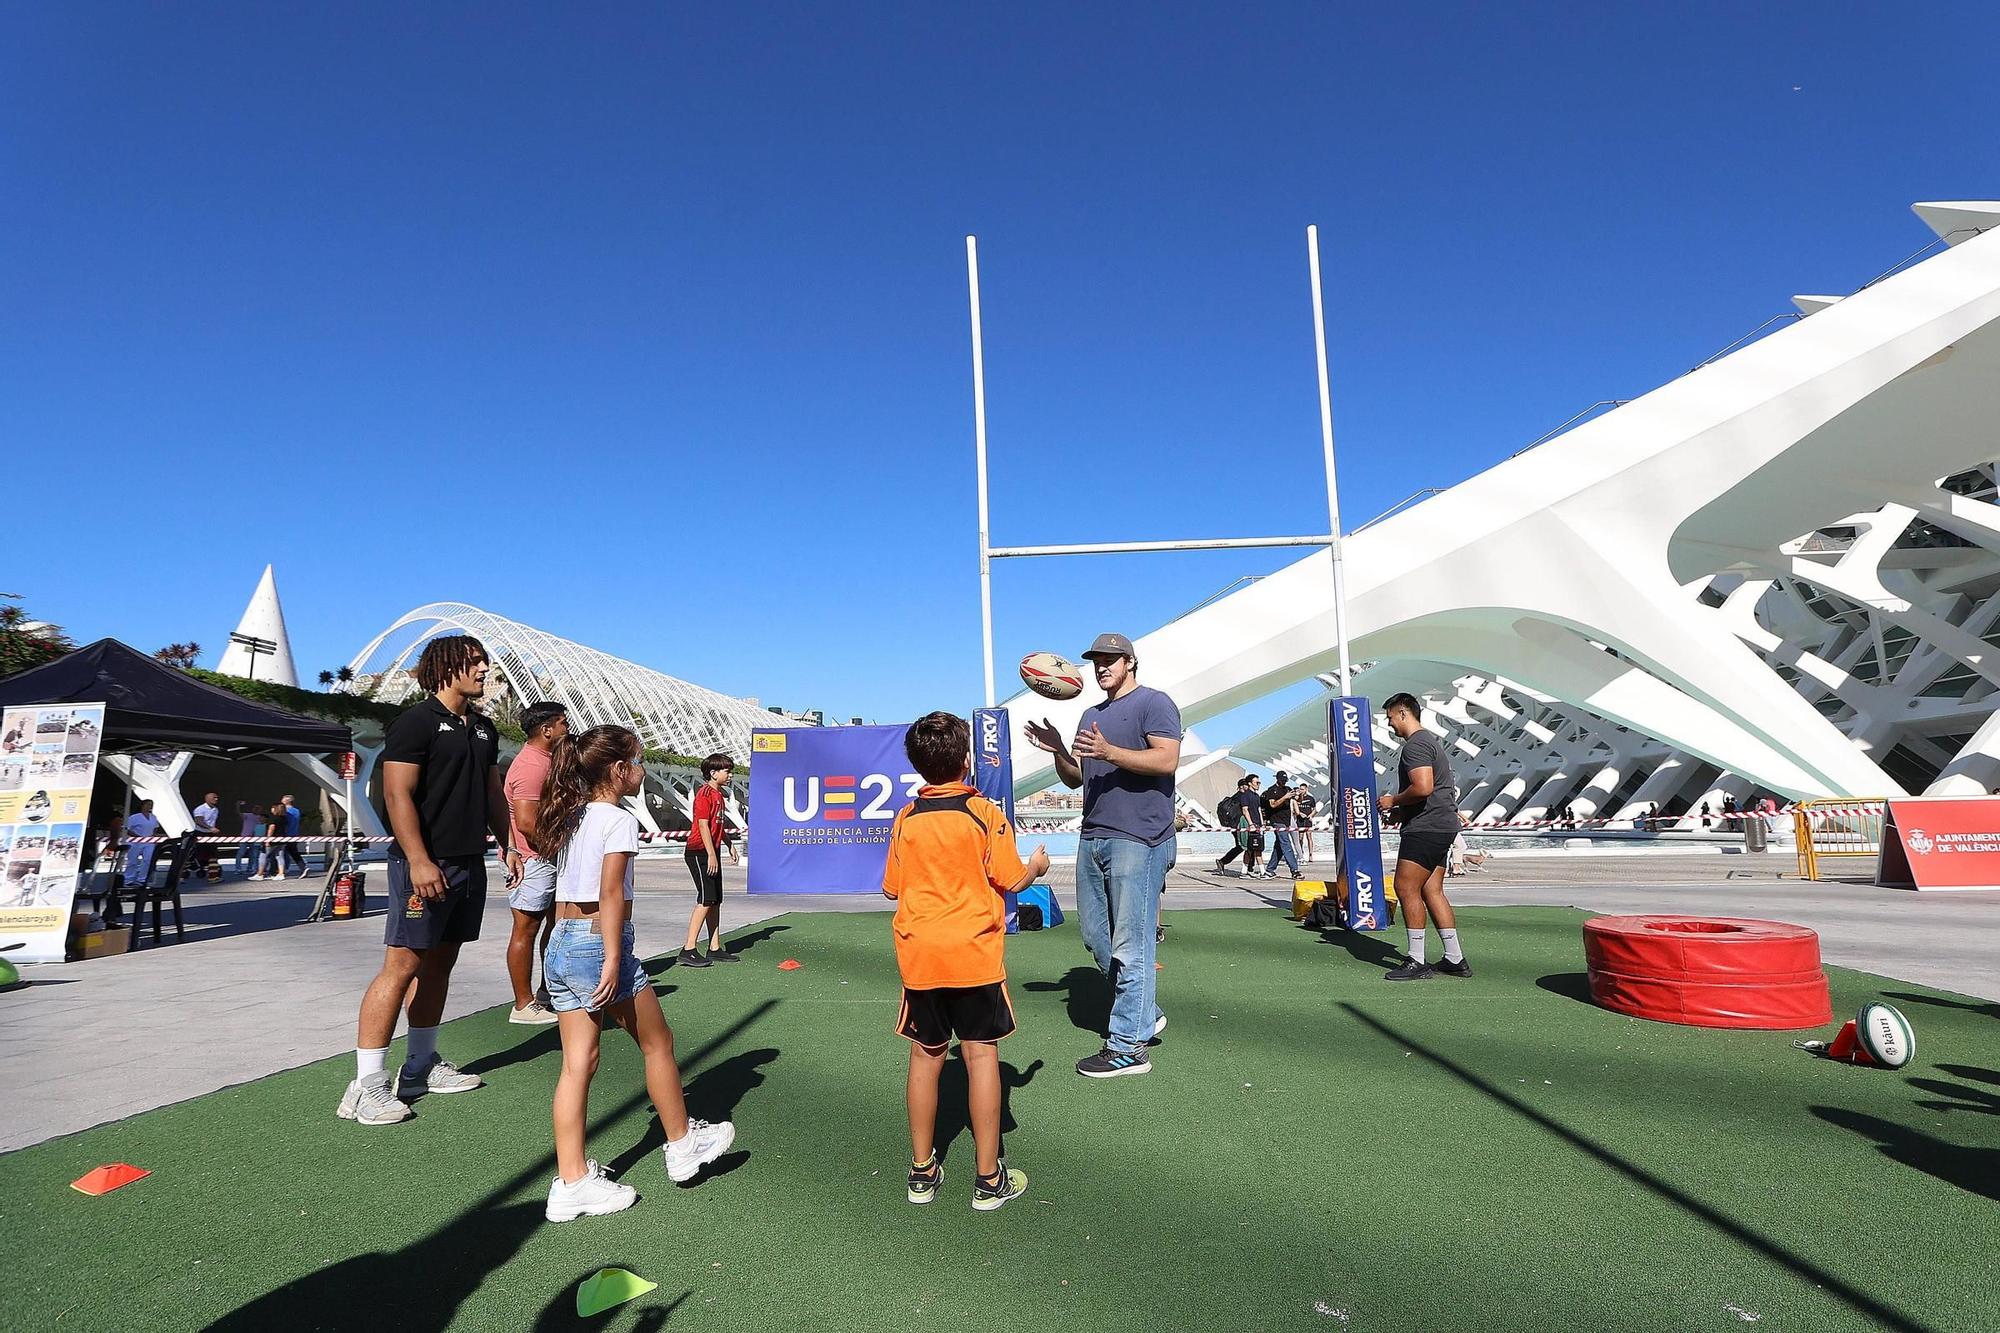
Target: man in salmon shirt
(951, 856)
(533, 895)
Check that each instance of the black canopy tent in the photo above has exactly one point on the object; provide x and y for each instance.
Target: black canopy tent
(152, 706)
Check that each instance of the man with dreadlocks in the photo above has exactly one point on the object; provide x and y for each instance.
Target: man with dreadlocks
(441, 782)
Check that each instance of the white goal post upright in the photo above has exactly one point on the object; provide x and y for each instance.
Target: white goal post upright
(988, 552)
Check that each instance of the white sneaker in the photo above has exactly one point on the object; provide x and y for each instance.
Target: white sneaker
(534, 1012)
(440, 1075)
(593, 1196)
(1160, 1025)
(369, 1101)
(702, 1144)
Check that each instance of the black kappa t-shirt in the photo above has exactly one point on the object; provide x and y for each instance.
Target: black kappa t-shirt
(454, 757)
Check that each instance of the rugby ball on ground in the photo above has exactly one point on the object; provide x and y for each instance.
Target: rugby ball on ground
(1051, 677)
(1885, 1034)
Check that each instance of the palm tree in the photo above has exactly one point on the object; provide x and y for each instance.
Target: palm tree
(325, 679)
(182, 655)
(25, 642)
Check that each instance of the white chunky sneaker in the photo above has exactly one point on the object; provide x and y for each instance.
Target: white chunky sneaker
(369, 1101)
(533, 1013)
(593, 1196)
(440, 1076)
(702, 1144)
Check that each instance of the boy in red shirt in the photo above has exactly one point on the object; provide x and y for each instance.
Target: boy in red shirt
(704, 863)
(951, 856)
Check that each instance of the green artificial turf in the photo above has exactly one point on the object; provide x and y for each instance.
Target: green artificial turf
(1315, 1149)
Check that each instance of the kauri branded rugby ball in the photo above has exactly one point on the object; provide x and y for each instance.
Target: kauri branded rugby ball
(1885, 1034)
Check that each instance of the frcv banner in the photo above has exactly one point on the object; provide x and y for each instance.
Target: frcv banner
(1353, 745)
(822, 800)
(993, 775)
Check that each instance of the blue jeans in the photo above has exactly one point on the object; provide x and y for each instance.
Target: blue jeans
(1281, 845)
(1118, 912)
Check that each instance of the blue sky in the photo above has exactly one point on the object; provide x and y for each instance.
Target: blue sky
(648, 326)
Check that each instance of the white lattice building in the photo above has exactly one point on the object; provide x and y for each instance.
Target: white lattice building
(597, 688)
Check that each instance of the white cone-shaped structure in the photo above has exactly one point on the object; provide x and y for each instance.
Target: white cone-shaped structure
(262, 619)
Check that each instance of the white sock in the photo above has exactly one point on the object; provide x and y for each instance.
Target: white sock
(368, 1062)
(1416, 945)
(1452, 953)
(423, 1046)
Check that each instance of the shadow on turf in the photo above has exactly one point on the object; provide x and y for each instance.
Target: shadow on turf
(713, 1095)
(1086, 998)
(560, 1312)
(749, 940)
(954, 1114)
(1975, 1170)
(1364, 946)
(1969, 1006)
(1569, 985)
(1882, 1315)
(423, 1284)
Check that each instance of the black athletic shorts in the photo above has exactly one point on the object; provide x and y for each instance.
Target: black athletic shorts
(931, 1018)
(1428, 849)
(707, 886)
(418, 923)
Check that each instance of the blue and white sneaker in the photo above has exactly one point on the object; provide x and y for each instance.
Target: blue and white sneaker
(1108, 1063)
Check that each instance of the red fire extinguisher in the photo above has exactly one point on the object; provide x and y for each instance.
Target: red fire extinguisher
(343, 894)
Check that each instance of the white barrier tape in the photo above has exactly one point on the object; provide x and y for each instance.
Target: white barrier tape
(251, 840)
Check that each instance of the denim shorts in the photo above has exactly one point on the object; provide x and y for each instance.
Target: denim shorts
(537, 890)
(575, 962)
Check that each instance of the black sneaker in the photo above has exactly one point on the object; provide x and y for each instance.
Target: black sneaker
(1410, 971)
(995, 1191)
(1446, 967)
(924, 1180)
(1108, 1063)
(689, 958)
(716, 955)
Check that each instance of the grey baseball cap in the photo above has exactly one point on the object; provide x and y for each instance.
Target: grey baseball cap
(1110, 645)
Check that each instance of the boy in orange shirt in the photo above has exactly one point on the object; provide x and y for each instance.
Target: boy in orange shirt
(951, 856)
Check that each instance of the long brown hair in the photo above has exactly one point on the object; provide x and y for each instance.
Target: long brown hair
(578, 767)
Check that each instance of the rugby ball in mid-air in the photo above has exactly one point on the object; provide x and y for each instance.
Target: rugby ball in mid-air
(1051, 677)
(1885, 1034)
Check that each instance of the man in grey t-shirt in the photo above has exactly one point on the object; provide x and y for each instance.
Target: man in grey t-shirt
(1425, 807)
(1124, 756)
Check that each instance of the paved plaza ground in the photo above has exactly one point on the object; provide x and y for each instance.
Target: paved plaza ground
(1577, 1169)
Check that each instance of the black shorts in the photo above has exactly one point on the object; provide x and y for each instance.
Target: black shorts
(931, 1018)
(1425, 848)
(707, 884)
(418, 923)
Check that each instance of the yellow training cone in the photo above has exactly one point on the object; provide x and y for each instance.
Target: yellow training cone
(608, 1287)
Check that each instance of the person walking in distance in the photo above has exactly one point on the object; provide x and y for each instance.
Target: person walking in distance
(293, 819)
(207, 818)
(704, 863)
(1424, 808)
(1253, 827)
(1124, 755)
(1278, 816)
(533, 896)
(594, 972)
(441, 783)
(248, 826)
(1229, 812)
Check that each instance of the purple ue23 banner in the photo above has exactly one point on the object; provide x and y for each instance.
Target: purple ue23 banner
(1353, 745)
(822, 802)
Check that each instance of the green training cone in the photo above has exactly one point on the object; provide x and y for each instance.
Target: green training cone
(608, 1287)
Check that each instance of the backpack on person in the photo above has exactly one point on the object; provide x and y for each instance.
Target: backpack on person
(1229, 811)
